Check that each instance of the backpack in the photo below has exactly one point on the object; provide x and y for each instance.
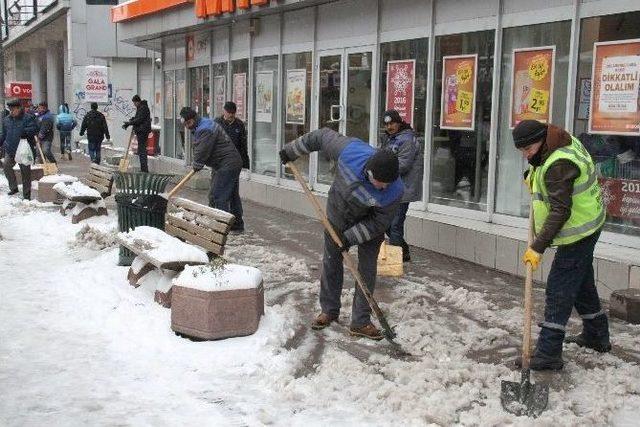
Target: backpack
(65, 122)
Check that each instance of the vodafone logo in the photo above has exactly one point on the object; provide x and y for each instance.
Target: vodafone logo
(20, 90)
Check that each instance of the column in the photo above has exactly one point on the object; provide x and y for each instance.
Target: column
(38, 75)
(55, 79)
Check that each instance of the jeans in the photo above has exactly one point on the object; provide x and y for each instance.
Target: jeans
(396, 229)
(142, 151)
(571, 284)
(65, 142)
(332, 278)
(25, 174)
(225, 194)
(46, 148)
(95, 146)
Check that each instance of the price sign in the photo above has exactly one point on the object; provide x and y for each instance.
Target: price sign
(539, 101)
(463, 104)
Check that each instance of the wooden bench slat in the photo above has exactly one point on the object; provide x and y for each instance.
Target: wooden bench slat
(219, 215)
(104, 175)
(197, 230)
(99, 180)
(102, 168)
(205, 221)
(199, 241)
(99, 187)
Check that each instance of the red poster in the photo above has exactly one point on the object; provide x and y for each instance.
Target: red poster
(532, 84)
(20, 90)
(401, 82)
(621, 197)
(458, 100)
(240, 94)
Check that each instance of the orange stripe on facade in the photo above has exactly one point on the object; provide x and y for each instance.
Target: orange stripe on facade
(137, 8)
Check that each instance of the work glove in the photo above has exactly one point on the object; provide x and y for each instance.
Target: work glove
(345, 243)
(125, 125)
(197, 168)
(532, 257)
(284, 157)
(526, 179)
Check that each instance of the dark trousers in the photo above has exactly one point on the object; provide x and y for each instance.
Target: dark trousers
(571, 284)
(332, 278)
(396, 229)
(25, 173)
(65, 141)
(95, 147)
(47, 148)
(225, 194)
(142, 151)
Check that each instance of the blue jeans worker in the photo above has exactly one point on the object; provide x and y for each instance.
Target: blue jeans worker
(400, 138)
(212, 147)
(568, 213)
(363, 199)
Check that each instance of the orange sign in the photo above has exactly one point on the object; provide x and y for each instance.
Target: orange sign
(532, 84)
(615, 86)
(458, 106)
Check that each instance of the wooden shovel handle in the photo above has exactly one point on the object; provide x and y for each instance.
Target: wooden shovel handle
(126, 153)
(528, 299)
(186, 178)
(44, 160)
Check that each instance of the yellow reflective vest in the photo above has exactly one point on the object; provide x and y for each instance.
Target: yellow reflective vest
(587, 211)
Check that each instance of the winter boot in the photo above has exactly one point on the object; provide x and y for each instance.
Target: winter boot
(12, 192)
(593, 343)
(367, 331)
(542, 362)
(323, 320)
(406, 255)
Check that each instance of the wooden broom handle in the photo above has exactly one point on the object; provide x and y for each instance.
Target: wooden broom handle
(44, 160)
(186, 178)
(528, 299)
(126, 153)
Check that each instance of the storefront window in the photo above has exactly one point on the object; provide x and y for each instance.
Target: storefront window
(219, 87)
(517, 101)
(296, 99)
(461, 134)
(199, 90)
(265, 150)
(616, 153)
(180, 96)
(239, 81)
(169, 114)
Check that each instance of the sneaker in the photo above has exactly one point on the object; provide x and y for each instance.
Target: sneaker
(585, 342)
(541, 362)
(12, 192)
(323, 320)
(366, 331)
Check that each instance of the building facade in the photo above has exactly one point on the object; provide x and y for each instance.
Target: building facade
(462, 73)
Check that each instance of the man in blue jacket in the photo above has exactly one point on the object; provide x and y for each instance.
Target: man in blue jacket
(17, 125)
(363, 199)
(65, 123)
(212, 147)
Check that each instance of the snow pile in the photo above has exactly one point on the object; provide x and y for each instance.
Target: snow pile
(76, 189)
(54, 179)
(95, 237)
(163, 247)
(221, 277)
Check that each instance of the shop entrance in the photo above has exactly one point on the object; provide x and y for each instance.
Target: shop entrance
(344, 98)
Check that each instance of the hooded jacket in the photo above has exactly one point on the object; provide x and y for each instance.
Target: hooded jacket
(45, 122)
(410, 157)
(95, 124)
(212, 147)
(15, 128)
(141, 122)
(65, 121)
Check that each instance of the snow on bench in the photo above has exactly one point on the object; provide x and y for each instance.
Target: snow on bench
(83, 201)
(77, 192)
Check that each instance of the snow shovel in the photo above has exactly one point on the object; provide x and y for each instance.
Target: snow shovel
(349, 262)
(390, 261)
(524, 397)
(48, 168)
(182, 182)
(124, 162)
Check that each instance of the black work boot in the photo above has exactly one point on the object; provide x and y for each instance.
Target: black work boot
(406, 255)
(587, 342)
(543, 362)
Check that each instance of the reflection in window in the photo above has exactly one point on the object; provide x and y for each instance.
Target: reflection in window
(265, 124)
(169, 107)
(219, 88)
(180, 96)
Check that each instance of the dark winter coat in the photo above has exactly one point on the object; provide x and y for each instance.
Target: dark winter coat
(141, 122)
(95, 124)
(45, 124)
(237, 132)
(15, 128)
(212, 147)
(355, 207)
(411, 158)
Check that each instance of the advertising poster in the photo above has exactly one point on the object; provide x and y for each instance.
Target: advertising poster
(614, 88)
(296, 96)
(264, 96)
(532, 84)
(168, 99)
(191, 48)
(240, 94)
(96, 84)
(219, 90)
(621, 197)
(401, 80)
(458, 101)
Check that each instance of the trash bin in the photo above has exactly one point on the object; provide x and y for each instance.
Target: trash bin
(139, 203)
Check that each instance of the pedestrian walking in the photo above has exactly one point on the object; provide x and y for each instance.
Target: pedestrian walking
(363, 200)
(568, 213)
(46, 130)
(141, 123)
(401, 139)
(65, 123)
(235, 129)
(95, 125)
(212, 147)
(18, 124)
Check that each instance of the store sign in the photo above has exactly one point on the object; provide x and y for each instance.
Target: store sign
(219, 94)
(532, 84)
(296, 96)
(621, 197)
(19, 90)
(240, 95)
(458, 101)
(615, 105)
(401, 83)
(264, 96)
(96, 84)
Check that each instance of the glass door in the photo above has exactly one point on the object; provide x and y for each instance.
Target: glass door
(344, 99)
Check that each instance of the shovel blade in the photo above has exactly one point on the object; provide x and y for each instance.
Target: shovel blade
(524, 398)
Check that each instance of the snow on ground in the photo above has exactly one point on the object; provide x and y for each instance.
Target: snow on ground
(79, 346)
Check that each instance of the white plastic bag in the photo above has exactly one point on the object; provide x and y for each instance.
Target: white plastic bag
(24, 155)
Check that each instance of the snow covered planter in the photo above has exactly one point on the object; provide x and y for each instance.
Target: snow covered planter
(46, 193)
(217, 301)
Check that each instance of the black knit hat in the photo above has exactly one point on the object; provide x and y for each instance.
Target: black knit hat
(391, 116)
(136, 98)
(528, 132)
(188, 113)
(384, 166)
(13, 103)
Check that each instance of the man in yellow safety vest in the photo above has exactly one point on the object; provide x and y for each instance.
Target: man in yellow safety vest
(567, 213)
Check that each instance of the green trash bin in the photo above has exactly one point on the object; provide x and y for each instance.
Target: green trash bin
(139, 203)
